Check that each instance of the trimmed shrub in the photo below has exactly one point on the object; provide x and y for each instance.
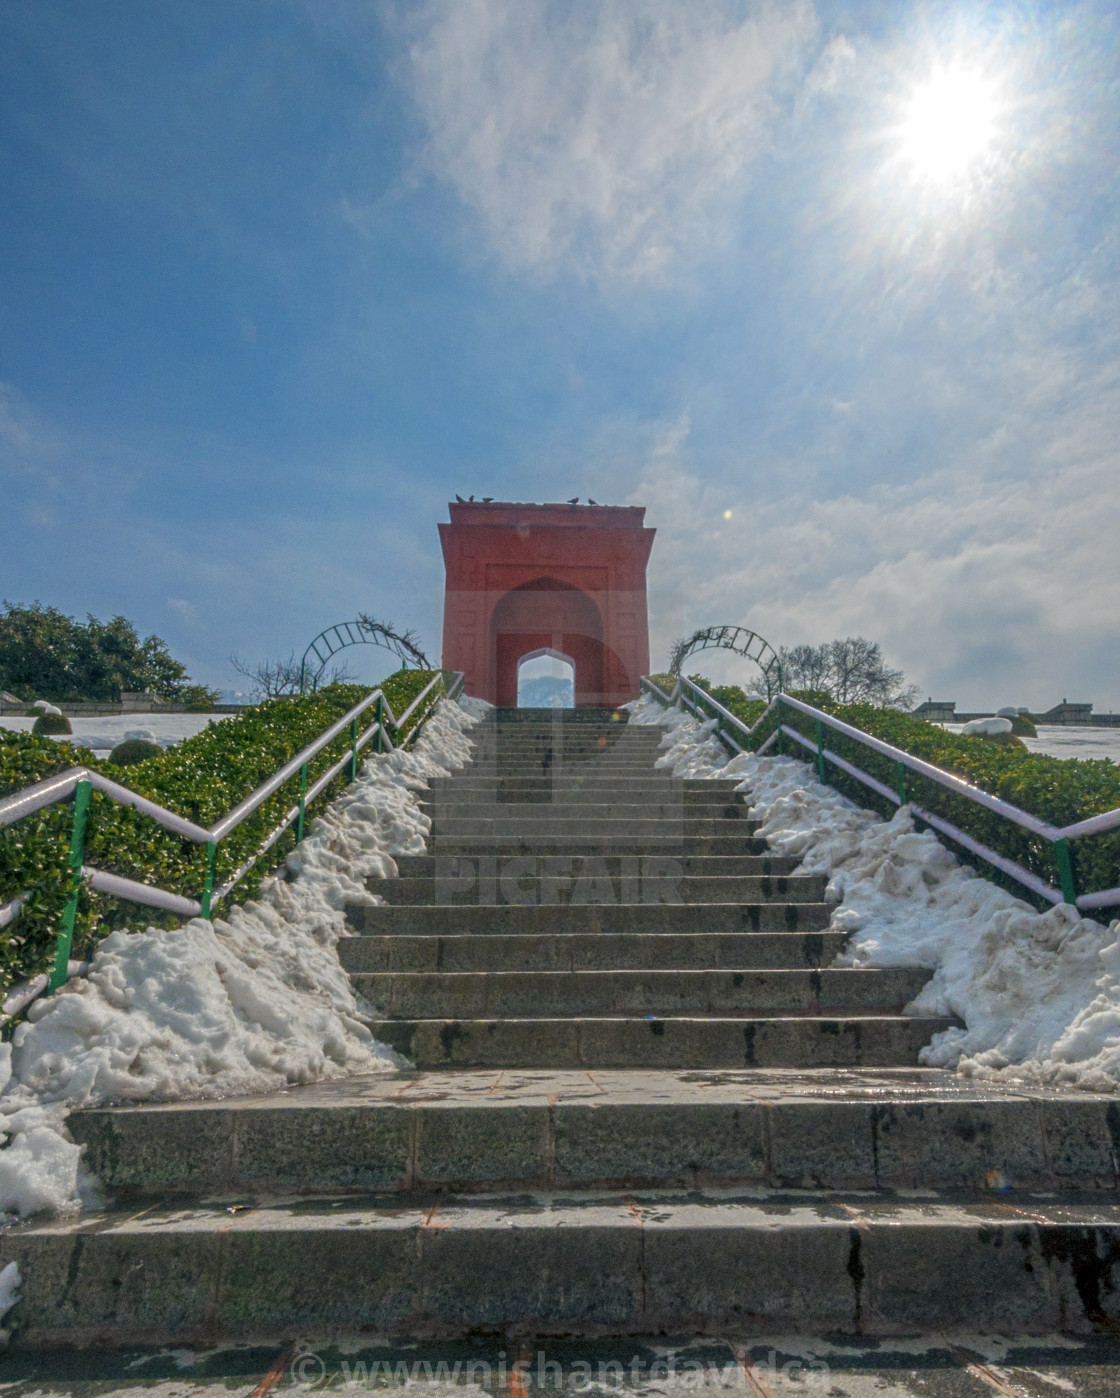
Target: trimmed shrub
(46, 725)
(1058, 790)
(201, 778)
(134, 750)
(1022, 727)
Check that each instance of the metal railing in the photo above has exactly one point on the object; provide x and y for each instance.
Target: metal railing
(79, 783)
(690, 696)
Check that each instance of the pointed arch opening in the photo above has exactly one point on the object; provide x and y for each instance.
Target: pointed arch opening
(546, 679)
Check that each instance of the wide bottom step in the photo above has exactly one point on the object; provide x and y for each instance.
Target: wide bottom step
(616, 1263)
(875, 1041)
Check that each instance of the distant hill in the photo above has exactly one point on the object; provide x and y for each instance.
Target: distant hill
(544, 692)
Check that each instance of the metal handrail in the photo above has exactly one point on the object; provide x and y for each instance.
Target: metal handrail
(1056, 835)
(78, 782)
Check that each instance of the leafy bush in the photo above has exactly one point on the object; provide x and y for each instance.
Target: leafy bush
(201, 779)
(132, 751)
(1058, 790)
(199, 698)
(47, 724)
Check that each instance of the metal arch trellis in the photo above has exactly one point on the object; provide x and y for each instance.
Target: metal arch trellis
(734, 638)
(347, 633)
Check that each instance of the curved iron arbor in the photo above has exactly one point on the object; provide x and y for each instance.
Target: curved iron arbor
(363, 632)
(734, 638)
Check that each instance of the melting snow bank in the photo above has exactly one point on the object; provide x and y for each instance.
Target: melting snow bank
(251, 1003)
(1038, 992)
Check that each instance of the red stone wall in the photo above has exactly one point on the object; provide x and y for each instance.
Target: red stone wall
(570, 578)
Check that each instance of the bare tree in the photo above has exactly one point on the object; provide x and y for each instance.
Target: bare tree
(406, 644)
(272, 679)
(849, 671)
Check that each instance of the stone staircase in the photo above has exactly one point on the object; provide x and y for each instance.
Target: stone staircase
(643, 1102)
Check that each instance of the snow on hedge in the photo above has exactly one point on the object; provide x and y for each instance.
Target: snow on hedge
(1039, 992)
(252, 1003)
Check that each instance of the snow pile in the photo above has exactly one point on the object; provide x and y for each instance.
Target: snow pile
(1039, 992)
(252, 1003)
(102, 734)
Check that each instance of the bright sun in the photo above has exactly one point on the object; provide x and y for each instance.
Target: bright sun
(949, 123)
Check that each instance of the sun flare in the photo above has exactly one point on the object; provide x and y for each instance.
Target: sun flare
(950, 123)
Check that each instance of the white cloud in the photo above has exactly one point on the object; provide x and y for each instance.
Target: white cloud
(606, 137)
(987, 582)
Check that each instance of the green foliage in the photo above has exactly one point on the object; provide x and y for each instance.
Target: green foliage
(46, 655)
(1022, 727)
(201, 779)
(47, 724)
(1057, 790)
(132, 751)
(199, 698)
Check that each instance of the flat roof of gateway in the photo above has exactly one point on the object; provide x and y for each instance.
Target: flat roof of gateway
(514, 512)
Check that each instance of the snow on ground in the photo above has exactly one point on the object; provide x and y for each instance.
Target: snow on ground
(252, 1003)
(1067, 740)
(1039, 992)
(103, 734)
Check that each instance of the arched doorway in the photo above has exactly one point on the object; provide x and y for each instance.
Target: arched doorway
(546, 679)
(547, 614)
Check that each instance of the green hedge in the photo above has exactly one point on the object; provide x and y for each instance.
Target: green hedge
(201, 778)
(1057, 790)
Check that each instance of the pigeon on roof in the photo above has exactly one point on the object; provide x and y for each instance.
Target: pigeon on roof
(486, 499)
(574, 500)
(459, 498)
(591, 502)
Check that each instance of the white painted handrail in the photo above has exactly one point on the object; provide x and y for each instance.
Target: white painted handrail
(700, 700)
(63, 785)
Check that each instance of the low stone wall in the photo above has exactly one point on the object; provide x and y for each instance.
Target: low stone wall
(106, 710)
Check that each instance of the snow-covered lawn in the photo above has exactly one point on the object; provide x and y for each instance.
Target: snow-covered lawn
(254, 1002)
(103, 734)
(1067, 740)
(1039, 993)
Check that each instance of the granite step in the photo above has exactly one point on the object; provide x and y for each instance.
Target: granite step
(642, 992)
(860, 1129)
(590, 918)
(421, 866)
(513, 880)
(673, 1042)
(592, 951)
(696, 1261)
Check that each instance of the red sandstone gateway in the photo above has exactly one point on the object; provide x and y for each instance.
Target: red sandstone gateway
(525, 579)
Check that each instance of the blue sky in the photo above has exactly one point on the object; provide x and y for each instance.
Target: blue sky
(281, 278)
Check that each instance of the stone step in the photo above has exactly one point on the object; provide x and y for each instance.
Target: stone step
(642, 1262)
(592, 918)
(727, 1041)
(606, 845)
(472, 1130)
(583, 829)
(450, 807)
(592, 951)
(421, 866)
(529, 790)
(554, 994)
(512, 880)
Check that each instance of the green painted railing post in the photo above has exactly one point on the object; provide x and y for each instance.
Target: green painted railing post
(354, 750)
(781, 735)
(74, 886)
(302, 802)
(1065, 870)
(822, 770)
(379, 710)
(208, 886)
(900, 783)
